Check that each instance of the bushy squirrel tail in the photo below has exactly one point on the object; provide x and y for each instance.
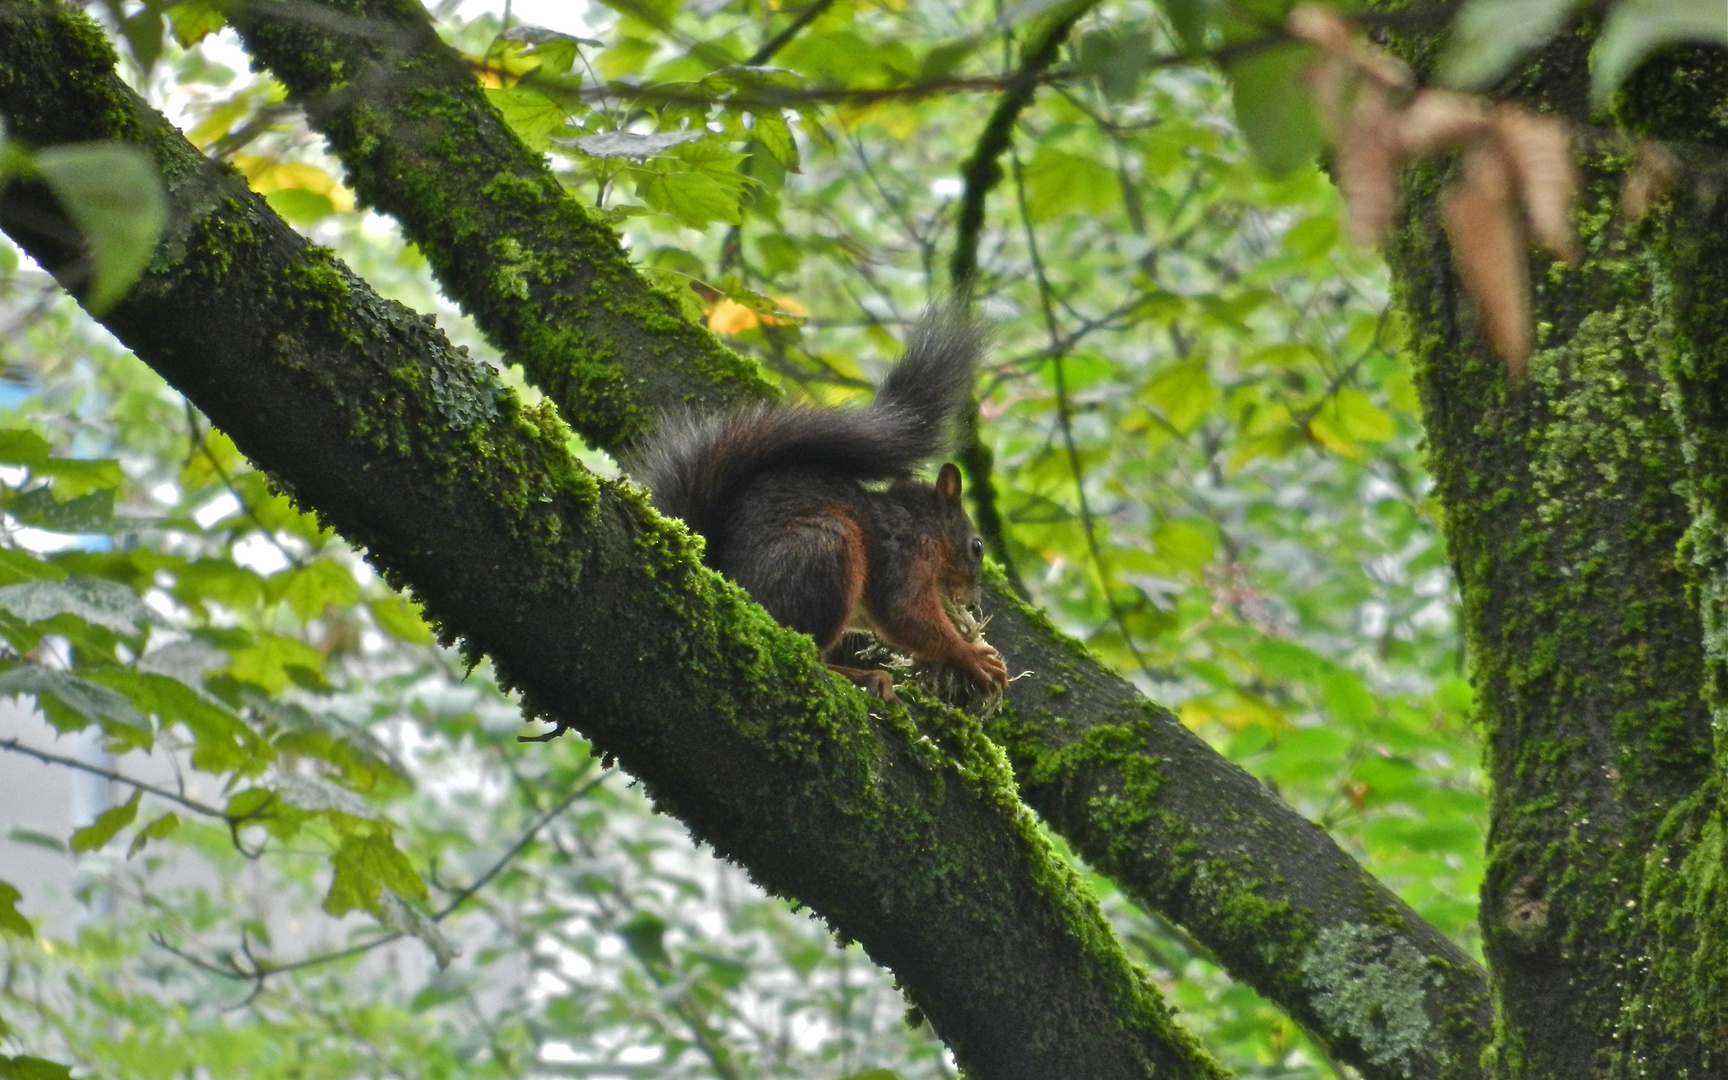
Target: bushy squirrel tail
(696, 466)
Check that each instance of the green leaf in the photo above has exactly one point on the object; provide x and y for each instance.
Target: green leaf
(1358, 416)
(1190, 19)
(20, 446)
(107, 823)
(772, 134)
(191, 21)
(1312, 237)
(1488, 36)
(160, 829)
(234, 587)
(37, 839)
(92, 513)
(268, 660)
(1274, 107)
(645, 933)
(25, 1067)
(626, 56)
(1184, 394)
(78, 476)
(556, 53)
(1059, 182)
(185, 661)
(1346, 697)
(73, 704)
(531, 114)
(221, 740)
(1118, 57)
(946, 58)
(17, 566)
(10, 920)
(365, 864)
(1636, 28)
(695, 184)
(98, 602)
(318, 585)
(264, 807)
(315, 795)
(401, 620)
(1184, 544)
(143, 31)
(300, 206)
(444, 987)
(780, 254)
(1023, 10)
(113, 193)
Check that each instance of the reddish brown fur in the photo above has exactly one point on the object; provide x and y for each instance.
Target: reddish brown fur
(781, 494)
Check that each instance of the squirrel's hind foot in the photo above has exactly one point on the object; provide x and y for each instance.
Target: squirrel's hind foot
(877, 683)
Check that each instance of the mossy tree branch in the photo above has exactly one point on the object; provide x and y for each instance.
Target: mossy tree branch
(907, 838)
(1181, 829)
(1564, 505)
(539, 274)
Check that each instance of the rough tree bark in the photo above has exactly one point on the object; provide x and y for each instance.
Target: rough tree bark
(1566, 495)
(1139, 796)
(595, 608)
(411, 454)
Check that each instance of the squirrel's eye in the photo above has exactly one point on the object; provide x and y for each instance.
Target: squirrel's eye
(977, 548)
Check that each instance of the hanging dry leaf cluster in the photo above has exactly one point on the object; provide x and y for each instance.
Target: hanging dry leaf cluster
(1516, 182)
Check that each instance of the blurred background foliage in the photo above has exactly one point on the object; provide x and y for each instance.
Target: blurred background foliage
(1208, 462)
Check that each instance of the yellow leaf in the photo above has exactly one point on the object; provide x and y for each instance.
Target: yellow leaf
(1328, 432)
(1358, 416)
(498, 70)
(729, 317)
(266, 175)
(1247, 710)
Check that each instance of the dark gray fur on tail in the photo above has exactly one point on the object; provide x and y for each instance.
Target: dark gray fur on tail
(696, 466)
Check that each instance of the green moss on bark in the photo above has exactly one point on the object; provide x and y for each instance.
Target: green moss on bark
(542, 277)
(1564, 505)
(912, 843)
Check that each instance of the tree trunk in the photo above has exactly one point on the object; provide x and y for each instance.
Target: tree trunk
(1566, 497)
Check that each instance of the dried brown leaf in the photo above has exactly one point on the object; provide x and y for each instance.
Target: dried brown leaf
(1539, 149)
(1337, 35)
(1652, 173)
(1488, 244)
(1331, 78)
(1366, 167)
(1321, 25)
(1383, 67)
(1436, 120)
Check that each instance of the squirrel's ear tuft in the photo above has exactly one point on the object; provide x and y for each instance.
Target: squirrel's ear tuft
(948, 481)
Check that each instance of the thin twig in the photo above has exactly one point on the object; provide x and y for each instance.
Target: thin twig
(1345, 374)
(17, 747)
(783, 38)
(1064, 414)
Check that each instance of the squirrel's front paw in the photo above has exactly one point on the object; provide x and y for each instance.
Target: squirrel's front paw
(986, 665)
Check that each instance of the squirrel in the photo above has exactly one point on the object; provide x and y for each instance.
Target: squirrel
(781, 494)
